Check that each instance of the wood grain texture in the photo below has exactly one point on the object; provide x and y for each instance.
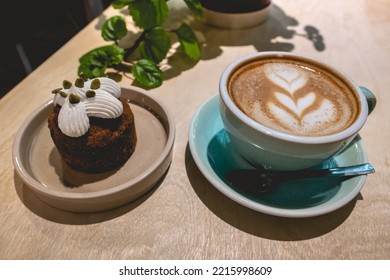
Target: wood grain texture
(185, 217)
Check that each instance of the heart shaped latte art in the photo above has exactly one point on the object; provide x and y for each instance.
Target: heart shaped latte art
(286, 77)
(299, 105)
(295, 111)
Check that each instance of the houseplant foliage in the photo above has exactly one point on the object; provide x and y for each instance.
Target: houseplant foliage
(152, 45)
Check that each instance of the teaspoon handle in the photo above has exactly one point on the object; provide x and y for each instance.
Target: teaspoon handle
(348, 171)
(355, 170)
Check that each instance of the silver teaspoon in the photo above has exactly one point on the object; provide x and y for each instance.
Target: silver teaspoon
(260, 181)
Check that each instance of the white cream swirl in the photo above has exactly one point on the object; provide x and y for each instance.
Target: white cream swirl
(103, 106)
(72, 120)
(109, 85)
(103, 102)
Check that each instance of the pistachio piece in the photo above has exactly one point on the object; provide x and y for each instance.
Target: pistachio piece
(83, 76)
(63, 94)
(56, 90)
(66, 84)
(79, 82)
(90, 93)
(73, 98)
(95, 84)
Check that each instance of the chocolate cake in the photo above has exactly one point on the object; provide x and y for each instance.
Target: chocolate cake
(91, 126)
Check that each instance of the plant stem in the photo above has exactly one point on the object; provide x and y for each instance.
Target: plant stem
(122, 67)
(130, 50)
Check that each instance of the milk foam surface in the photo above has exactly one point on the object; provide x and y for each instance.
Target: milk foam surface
(293, 97)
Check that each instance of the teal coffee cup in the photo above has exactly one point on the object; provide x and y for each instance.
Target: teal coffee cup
(288, 112)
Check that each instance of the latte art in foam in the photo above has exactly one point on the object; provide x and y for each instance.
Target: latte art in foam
(292, 97)
(293, 109)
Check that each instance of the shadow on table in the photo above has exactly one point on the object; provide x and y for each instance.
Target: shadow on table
(50, 213)
(259, 224)
(267, 36)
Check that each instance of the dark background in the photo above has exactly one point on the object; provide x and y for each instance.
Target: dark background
(31, 31)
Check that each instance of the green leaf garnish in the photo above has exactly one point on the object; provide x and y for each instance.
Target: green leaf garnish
(189, 42)
(147, 73)
(114, 29)
(156, 44)
(94, 63)
(148, 14)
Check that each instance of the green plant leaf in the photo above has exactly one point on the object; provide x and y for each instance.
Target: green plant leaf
(95, 62)
(114, 28)
(119, 4)
(195, 7)
(147, 73)
(189, 42)
(148, 14)
(156, 44)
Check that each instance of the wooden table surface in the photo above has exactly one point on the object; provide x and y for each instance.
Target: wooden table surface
(185, 217)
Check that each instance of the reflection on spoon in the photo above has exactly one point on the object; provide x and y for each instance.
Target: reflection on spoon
(260, 181)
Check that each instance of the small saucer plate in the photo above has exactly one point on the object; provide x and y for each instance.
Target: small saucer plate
(39, 165)
(212, 152)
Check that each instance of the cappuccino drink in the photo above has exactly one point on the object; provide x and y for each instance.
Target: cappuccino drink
(294, 96)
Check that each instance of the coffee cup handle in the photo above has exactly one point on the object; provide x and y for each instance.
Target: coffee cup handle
(370, 97)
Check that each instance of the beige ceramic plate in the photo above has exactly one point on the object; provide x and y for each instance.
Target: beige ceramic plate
(38, 163)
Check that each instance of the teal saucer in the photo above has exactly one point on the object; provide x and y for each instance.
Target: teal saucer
(212, 152)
